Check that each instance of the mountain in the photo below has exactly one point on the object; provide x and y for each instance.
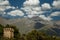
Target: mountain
(27, 24)
(52, 29)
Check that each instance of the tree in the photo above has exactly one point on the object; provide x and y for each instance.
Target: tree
(34, 35)
(1, 30)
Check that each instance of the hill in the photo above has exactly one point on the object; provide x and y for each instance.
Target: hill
(27, 24)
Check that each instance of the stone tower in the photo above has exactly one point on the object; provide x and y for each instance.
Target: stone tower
(8, 32)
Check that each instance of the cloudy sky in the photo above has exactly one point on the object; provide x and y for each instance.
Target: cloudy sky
(45, 9)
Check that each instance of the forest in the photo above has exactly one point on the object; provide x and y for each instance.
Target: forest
(32, 35)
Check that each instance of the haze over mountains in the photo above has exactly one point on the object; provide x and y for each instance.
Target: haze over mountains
(27, 24)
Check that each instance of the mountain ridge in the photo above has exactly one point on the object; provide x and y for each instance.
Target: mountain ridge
(27, 24)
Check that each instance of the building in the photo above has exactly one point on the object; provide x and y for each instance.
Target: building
(8, 32)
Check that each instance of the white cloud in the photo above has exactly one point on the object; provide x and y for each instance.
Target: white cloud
(38, 8)
(45, 18)
(31, 2)
(33, 10)
(3, 13)
(31, 7)
(4, 3)
(2, 9)
(56, 4)
(30, 16)
(8, 7)
(55, 14)
(46, 6)
(16, 13)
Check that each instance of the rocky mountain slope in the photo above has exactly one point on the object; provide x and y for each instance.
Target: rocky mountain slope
(27, 24)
